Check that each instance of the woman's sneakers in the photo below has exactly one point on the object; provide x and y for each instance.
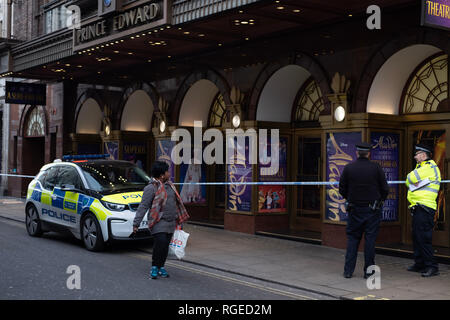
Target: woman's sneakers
(163, 273)
(158, 272)
(154, 272)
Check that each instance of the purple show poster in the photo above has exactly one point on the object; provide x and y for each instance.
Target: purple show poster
(341, 150)
(264, 169)
(385, 152)
(436, 13)
(239, 196)
(112, 148)
(163, 152)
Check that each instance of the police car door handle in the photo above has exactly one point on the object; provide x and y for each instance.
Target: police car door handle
(54, 196)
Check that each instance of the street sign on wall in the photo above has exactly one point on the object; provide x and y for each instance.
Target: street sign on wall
(25, 93)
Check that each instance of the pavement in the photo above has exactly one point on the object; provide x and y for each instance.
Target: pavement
(304, 266)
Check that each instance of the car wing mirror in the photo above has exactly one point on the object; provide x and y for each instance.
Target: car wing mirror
(70, 188)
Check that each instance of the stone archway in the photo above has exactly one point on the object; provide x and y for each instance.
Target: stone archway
(302, 62)
(139, 91)
(425, 43)
(33, 131)
(137, 112)
(89, 118)
(210, 79)
(85, 96)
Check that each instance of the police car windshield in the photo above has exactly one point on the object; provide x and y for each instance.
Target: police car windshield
(107, 177)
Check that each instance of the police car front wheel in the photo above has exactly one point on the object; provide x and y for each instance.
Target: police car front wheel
(92, 233)
(32, 221)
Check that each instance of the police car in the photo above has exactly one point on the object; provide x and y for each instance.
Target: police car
(94, 198)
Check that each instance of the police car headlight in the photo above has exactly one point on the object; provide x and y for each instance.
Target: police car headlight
(114, 206)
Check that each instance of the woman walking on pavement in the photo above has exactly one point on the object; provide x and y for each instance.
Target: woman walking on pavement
(165, 211)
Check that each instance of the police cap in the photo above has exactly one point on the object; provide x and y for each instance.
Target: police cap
(423, 147)
(363, 146)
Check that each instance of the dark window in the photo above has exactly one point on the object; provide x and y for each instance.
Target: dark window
(15, 153)
(51, 179)
(309, 157)
(220, 190)
(52, 146)
(42, 176)
(69, 176)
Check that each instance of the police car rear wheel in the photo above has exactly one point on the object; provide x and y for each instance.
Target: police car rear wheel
(32, 221)
(92, 234)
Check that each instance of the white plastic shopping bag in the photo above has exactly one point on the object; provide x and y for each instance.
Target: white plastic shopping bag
(178, 243)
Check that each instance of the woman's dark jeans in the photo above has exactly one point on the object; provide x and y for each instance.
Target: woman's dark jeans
(161, 243)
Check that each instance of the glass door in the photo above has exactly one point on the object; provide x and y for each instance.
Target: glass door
(435, 136)
(308, 197)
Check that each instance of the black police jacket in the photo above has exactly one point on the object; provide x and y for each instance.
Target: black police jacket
(362, 182)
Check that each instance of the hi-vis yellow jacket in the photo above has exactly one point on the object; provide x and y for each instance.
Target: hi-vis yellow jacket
(426, 195)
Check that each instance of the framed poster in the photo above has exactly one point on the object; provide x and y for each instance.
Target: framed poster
(341, 150)
(163, 153)
(192, 193)
(386, 153)
(112, 148)
(272, 198)
(239, 197)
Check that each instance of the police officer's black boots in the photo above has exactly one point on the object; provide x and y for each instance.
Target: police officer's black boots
(430, 272)
(415, 268)
(347, 275)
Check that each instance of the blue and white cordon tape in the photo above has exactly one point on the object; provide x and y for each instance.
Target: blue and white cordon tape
(287, 183)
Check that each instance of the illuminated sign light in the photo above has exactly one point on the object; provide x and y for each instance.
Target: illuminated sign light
(436, 14)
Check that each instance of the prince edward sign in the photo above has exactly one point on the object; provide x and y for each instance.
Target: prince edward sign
(114, 23)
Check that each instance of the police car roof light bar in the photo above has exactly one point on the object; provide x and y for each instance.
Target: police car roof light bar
(85, 157)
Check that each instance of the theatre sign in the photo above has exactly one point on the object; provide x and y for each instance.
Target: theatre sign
(436, 14)
(138, 17)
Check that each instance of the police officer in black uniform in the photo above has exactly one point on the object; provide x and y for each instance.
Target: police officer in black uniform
(363, 184)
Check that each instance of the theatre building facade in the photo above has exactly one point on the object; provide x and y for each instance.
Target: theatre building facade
(132, 72)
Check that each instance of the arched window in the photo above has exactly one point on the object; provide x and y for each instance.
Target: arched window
(35, 126)
(217, 113)
(427, 87)
(310, 103)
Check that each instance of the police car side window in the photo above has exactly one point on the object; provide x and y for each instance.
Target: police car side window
(42, 176)
(51, 178)
(69, 176)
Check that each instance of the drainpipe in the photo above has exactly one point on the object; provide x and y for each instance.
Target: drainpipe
(8, 18)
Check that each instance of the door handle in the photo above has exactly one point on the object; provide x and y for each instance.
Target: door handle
(54, 196)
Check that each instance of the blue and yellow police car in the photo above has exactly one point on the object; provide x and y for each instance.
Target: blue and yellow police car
(91, 196)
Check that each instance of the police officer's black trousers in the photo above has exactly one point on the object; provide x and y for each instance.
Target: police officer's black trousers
(361, 220)
(161, 243)
(422, 233)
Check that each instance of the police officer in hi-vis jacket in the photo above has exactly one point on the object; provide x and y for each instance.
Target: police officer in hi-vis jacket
(423, 188)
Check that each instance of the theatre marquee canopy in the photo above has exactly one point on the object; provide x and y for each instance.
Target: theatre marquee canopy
(148, 39)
